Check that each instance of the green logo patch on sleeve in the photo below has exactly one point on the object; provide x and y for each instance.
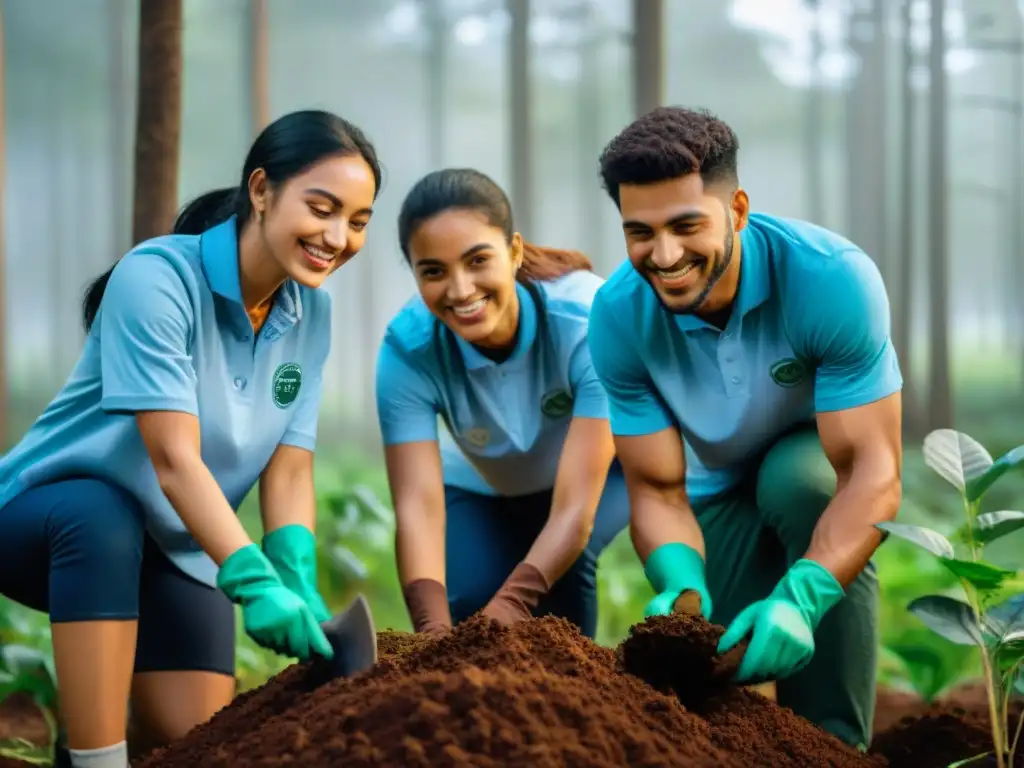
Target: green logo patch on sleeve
(556, 404)
(788, 372)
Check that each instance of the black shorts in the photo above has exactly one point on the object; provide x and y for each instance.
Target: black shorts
(77, 549)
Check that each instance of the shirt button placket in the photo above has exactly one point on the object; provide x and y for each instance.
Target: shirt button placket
(728, 364)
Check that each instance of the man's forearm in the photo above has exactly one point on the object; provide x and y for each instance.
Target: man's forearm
(657, 518)
(845, 537)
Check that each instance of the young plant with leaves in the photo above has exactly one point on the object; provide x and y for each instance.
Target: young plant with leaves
(992, 617)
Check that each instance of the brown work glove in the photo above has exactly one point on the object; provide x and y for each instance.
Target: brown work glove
(427, 601)
(518, 596)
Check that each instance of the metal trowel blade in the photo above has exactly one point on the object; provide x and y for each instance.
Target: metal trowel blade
(353, 637)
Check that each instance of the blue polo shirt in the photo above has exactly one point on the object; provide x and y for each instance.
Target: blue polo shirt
(172, 334)
(504, 423)
(809, 332)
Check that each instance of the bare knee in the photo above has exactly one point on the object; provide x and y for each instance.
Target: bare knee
(167, 705)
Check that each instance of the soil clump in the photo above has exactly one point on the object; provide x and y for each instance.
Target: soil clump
(942, 734)
(538, 694)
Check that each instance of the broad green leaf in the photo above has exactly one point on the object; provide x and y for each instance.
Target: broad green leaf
(1008, 616)
(982, 575)
(927, 539)
(19, 658)
(1010, 587)
(977, 486)
(952, 619)
(956, 457)
(991, 526)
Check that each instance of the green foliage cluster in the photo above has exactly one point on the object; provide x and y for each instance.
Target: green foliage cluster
(989, 617)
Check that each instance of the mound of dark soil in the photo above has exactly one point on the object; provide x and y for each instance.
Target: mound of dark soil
(538, 695)
(942, 735)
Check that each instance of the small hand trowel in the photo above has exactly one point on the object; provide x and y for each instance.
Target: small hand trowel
(353, 637)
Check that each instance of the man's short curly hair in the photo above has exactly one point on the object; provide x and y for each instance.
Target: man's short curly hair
(667, 143)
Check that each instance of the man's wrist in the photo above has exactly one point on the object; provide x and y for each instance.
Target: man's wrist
(672, 566)
(812, 588)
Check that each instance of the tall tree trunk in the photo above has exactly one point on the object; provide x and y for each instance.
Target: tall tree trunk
(259, 71)
(4, 388)
(158, 119)
(648, 55)
(940, 399)
(1017, 174)
(902, 314)
(814, 189)
(437, 31)
(866, 136)
(588, 124)
(521, 116)
(120, 130)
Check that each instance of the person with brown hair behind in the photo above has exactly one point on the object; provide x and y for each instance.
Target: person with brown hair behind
(508, 508)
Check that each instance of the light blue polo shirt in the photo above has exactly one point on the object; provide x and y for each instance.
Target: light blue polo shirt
(172, 334)
(809, 332)
(504, 423)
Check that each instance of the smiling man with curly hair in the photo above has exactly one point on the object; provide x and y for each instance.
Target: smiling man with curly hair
(755, 402)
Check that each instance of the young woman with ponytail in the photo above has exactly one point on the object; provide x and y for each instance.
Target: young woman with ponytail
(507, 509)
(200, 374)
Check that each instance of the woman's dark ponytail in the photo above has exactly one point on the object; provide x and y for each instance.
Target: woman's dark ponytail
(542, 263)
(207, 210)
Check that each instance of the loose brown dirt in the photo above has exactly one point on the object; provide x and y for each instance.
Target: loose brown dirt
(538, 694)
(542, 695)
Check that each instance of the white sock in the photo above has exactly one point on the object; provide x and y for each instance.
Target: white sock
(114, 756)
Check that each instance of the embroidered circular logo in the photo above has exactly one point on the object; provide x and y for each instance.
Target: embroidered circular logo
(556, 404)
(287, 380)
(788, 372)
(477, 437)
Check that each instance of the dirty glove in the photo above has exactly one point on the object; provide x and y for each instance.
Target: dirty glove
(672, 569)
(291, 549)
(783, 624)
(273, 615)
(427, 601)
(518, 596)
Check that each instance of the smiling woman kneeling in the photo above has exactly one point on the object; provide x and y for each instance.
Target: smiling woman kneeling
(201, 374)
(508, 509)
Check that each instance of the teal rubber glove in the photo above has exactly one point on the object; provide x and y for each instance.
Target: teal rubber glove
(783, 624)
(291, 549)
(273, 615)
(672, 569)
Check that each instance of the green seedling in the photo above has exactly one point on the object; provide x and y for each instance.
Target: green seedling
(992, 617)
